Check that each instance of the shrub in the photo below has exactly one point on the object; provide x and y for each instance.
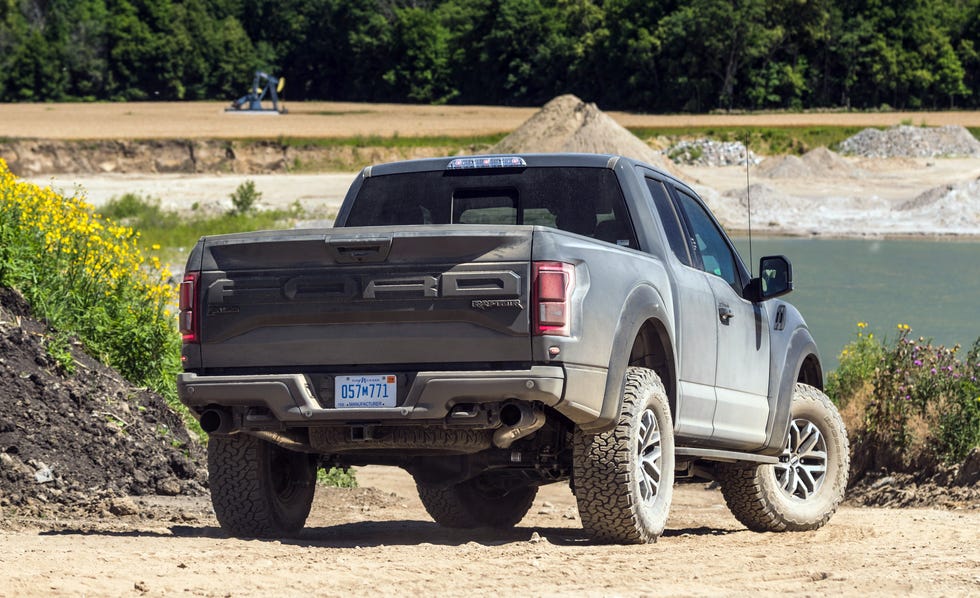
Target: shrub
(133, 209)
(924, 404)
(88, 276)
(245, 198)
(927, 399)
(858, 360)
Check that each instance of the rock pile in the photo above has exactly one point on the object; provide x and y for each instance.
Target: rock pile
(912, 142)
(567, 124)
(707, 152)
(81, 442)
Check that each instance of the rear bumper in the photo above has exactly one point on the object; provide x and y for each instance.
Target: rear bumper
(290, 398)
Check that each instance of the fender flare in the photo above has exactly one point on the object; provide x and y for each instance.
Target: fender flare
(801, 346)
(644, 303)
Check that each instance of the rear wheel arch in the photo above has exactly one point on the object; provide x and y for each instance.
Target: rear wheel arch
(642, 338)
(652, 349)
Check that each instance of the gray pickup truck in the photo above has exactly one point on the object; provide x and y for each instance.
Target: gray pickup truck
(495, 323)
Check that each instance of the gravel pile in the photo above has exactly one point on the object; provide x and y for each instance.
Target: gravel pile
(707, 152)
(912, 142)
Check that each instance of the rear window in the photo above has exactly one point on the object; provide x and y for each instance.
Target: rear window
(585, 201)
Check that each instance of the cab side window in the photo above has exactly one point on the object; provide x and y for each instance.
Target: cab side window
(708, 242)
(670, 220)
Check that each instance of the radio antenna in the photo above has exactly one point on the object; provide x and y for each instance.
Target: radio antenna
(748, 201)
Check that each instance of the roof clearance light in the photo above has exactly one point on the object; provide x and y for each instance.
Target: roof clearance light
(486, 162)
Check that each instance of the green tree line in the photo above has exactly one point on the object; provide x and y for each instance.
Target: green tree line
(646, 55)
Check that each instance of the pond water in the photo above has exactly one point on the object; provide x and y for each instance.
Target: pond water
(933, 286)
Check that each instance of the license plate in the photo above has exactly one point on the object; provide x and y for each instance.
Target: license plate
(358, 392)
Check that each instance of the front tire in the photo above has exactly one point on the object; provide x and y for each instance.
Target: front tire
(804, 489)
(487, 500)
(259, 489)
(624, 478)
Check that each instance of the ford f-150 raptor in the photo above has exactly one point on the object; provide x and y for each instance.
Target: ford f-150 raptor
(495, 323)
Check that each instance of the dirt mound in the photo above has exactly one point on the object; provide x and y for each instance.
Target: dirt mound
(567, 124)
(819, 162)
(82, 442)
(912, 142)
(941, 490)
(822, 161)
(770, 207)
(784, 167)
(949, 206)
(763, 197)
(945, 196)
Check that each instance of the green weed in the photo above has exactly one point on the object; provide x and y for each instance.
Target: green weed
(336, 477)
(58, 347)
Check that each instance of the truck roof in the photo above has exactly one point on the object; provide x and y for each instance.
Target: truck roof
(532, 160)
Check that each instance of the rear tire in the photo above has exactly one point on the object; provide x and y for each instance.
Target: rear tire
(259, 489)
(803, 491)
(624, 478)
(484, 501)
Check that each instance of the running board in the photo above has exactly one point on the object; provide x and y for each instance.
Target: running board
(717, 455)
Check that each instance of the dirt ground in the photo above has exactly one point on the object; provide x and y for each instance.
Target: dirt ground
(377, 539)
(208, 120)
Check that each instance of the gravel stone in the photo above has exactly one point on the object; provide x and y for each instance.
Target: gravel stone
(905, 141)
(707, 152)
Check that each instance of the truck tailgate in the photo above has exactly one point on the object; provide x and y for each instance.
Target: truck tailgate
(360, 296)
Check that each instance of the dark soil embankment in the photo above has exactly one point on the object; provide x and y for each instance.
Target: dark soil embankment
(81, 443)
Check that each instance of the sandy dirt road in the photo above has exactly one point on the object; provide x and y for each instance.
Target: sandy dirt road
(377, 539)
(208, 120)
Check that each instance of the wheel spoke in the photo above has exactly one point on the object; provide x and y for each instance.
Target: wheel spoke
(809, 440)
(651, 466)
(814, 456)
(648, 453)
(791, 480)
(808, 479)
(803, 464)
(813, 473)
(800, 489)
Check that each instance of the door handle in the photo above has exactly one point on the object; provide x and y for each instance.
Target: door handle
(725, 313)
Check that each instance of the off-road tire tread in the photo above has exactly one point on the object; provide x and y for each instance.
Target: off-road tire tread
(240, 494)
(602, 490)
(459, 506)
(755, 503)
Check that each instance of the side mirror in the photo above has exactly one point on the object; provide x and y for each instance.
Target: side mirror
(775, 279)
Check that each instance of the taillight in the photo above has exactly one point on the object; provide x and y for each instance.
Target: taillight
(552, 288)
(188, 316)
